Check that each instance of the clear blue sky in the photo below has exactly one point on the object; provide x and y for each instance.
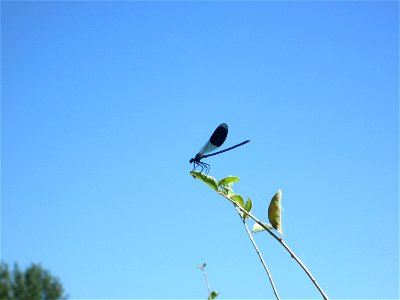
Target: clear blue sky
(103, 105)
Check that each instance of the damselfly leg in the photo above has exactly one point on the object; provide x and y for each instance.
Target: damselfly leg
(203, 166)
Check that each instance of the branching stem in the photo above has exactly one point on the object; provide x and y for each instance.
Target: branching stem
(280, 241)
(259, 253)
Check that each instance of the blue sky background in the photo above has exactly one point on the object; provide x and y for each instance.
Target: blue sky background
(104, 103)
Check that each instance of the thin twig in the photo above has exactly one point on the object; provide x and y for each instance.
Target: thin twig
(280, 241)
(202, 268)
(259, 253)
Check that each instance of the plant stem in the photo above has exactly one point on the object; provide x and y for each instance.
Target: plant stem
(281, 242)
(259, 254)
(206, 279)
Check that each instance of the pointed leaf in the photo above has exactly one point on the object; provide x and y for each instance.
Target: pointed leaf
(247, 208)
(248, 205)
(274, 212)
(238, 199)
(211, 181)
(228, 180)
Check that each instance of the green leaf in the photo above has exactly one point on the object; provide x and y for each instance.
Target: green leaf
(228, 180)
(211, 181)
(213, 295)
(248, 205)
(247, 208)
(227, 191)
(257, 227)
(274, 212)
(238, 199)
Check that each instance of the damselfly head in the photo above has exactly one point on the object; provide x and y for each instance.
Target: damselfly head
(196, 158)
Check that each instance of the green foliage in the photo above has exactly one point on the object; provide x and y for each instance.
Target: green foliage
(209, 180)
(275, 211)
(34, 283)
(248, 206)
(213, 295)
(239, 200)
(5, 282)
(224, 187)
(228, 180)
(227, 191)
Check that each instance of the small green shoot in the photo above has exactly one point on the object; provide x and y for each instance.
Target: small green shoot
(211, 295)
(224, 188)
